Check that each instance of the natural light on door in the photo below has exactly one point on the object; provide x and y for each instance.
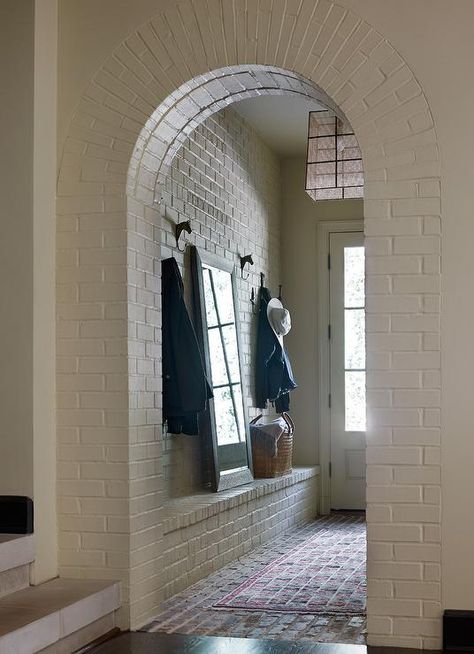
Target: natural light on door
(354, 339)
(347, 369)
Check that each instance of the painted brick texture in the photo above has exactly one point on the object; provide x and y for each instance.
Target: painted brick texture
(198, 545)
(226, 181)
(112, 173)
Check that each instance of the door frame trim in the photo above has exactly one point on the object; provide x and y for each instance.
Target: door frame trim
(324, 229)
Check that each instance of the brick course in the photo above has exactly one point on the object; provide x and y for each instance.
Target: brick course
(113, 168)
(200, 539)
(226, 181)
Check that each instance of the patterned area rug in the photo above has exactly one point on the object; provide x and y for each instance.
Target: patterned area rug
(326, 574)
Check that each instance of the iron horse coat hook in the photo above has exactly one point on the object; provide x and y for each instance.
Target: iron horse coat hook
(185, 226)
(247, 259)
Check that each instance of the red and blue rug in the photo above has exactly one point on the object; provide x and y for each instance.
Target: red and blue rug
(325, 574)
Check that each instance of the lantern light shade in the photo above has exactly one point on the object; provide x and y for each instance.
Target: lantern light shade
(334, 161)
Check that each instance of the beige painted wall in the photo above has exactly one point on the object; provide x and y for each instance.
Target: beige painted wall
(44, 297)
(28, 58)
(16, 246)
(438, 46)
(300, 217)
(86, 38)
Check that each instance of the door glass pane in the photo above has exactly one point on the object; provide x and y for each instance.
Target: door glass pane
(354, 277)
(355, 400)
(354, 336)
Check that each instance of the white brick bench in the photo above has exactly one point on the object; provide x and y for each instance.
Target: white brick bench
(205, 531)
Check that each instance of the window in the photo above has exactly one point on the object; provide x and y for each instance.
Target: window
(354, 339)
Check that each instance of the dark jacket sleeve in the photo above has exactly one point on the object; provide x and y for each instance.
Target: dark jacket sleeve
(264, 350)
(185, 386)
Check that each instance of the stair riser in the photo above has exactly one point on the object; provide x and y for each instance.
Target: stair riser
(82, 637)
(16, 551)
(60, 616)
(14, 579)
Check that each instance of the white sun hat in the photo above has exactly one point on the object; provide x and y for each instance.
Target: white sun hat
(279, 318)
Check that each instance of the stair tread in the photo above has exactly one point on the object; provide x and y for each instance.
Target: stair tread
(60, 607)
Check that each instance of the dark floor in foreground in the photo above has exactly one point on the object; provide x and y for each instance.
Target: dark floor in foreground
(145, 643)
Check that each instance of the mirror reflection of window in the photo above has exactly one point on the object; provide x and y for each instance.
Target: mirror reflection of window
(224, 356)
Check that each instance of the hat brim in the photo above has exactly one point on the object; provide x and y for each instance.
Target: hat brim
(274, 303)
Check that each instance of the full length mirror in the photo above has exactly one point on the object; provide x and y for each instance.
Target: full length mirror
(227, 459)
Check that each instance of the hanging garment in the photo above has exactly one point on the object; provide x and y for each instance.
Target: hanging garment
(273, 374)
(185, 386)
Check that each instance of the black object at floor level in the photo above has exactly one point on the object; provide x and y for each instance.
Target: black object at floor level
(16, 514)
(141, 643)
(185, 386)
(458, 631)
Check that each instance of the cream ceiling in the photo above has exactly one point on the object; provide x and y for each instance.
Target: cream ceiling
(282, 121)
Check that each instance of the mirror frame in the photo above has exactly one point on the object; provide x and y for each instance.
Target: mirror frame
(212, 476)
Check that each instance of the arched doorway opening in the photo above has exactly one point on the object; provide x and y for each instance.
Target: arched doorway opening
(185, 195)
(106, 227)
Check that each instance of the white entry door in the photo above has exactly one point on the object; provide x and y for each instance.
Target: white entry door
(347, 369)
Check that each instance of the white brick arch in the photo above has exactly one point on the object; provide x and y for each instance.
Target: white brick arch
(190, 105)
(109, 417)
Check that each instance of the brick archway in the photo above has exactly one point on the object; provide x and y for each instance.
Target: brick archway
(178, 115)
(109, 445)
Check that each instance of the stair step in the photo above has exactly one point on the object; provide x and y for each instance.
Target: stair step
(39, 617)
(16, 550)
(16, 554)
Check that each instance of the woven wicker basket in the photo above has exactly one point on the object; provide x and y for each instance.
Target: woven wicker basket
(266, 466)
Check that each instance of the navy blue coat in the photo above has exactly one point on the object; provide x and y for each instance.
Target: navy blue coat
(185, 386)
(273, 374)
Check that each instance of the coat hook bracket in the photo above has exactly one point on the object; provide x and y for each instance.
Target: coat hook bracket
(247, 259)
(184, 226)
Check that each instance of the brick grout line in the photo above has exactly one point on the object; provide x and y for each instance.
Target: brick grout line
(190, 611)
(395, 130)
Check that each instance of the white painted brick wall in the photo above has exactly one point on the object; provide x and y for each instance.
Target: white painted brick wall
(226, 181)
(194, 551)
(109, 395)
